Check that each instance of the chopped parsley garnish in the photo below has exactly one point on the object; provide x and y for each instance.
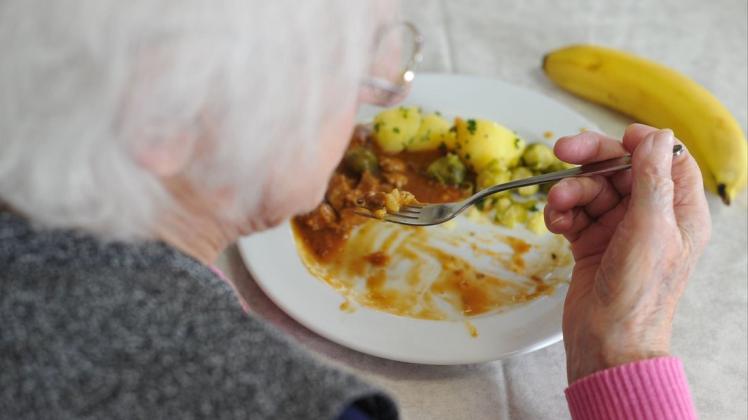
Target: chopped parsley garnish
(396, 129)
(453, 129)
(439, 114)
(517, 140)
(377, 126)
(533, 208)
(471, 126)
(404, 112)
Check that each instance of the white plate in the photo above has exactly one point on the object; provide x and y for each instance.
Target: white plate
(276, 266)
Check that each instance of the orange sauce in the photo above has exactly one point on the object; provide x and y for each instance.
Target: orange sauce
(325, 243)
(400, 270)
(433, 281)
(471, 329)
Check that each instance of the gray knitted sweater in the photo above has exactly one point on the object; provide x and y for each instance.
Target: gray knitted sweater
(115, 330)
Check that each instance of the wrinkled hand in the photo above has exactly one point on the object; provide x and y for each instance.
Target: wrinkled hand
(635, 237)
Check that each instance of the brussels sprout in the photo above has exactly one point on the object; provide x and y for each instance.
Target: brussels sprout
(360, 160)
(538, 157)
(447, 170)
(520, 173)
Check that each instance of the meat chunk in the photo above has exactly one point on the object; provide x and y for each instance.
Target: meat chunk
(322, 217)
(338, 189)
(390, 164)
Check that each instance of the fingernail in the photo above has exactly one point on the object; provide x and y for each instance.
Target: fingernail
(556, 217)
(663, 141)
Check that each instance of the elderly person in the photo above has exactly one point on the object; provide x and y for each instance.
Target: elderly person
(139, 139)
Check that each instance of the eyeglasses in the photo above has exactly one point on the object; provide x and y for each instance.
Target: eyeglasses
(397, 53)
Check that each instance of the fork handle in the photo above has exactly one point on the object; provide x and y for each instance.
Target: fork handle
(596, 168)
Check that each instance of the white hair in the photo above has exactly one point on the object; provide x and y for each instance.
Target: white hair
(85, 83)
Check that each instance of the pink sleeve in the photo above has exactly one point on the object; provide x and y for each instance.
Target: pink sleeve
(648, 389)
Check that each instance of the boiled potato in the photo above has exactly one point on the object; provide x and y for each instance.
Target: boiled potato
(538, 157)
(516, 213)
(503, 203)
(559, 165)
(481, 143)
(394, 128)
(536, 223)
(493, 175)
(433, 132)
(521, 172)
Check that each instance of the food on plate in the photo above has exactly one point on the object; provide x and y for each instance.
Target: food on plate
(358, 183)
(390, 202)
(432, 134)
(481, 143)
(360, 159)
(447, 170)
(396, 127)
(432, 161)
(646, 91)
(522, 172)
(538, 157)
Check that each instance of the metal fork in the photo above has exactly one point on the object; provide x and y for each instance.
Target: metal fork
(434, 214)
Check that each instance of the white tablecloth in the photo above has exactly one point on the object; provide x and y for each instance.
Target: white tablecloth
(506, 39)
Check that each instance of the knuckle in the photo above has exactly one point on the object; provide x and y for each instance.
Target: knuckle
(654, 181)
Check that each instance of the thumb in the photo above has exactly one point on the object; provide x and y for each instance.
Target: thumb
(652, 182)
(637, 243)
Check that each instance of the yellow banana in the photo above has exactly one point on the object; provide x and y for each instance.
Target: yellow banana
(663, 98)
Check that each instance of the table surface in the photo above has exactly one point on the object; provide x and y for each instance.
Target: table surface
(504, 39)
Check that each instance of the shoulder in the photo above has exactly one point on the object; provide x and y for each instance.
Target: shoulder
(112, 330)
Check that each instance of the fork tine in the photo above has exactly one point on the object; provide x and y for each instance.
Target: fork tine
(400, 219)
(365, 214)
(416, 205)
(410, 210)
(404, 215)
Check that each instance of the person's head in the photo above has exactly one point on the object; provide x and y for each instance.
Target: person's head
(115, 115)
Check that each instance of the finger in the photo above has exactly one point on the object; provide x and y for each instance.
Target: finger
(685, 171)
(570, 223)
(595, 194)
(652, 188)
(622, 182)
(689, 183)
(595, 238)
(588, 147)
(689, 202)
(557, 222)
(635, 134)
